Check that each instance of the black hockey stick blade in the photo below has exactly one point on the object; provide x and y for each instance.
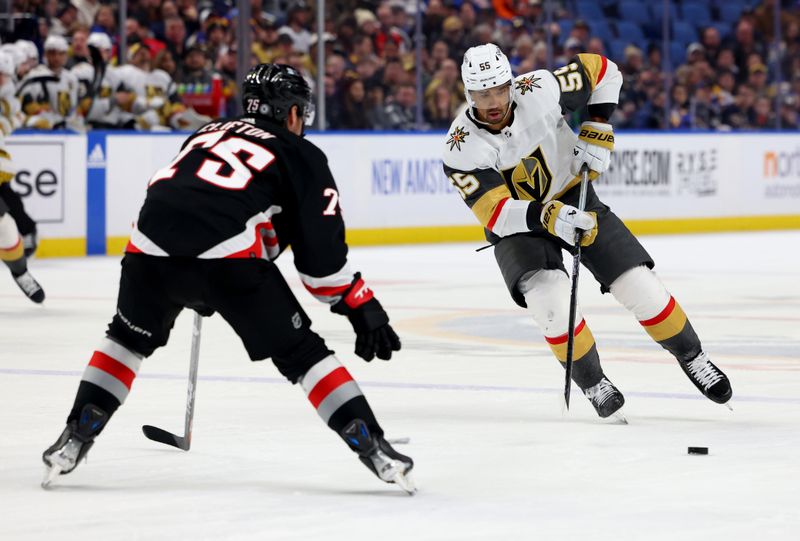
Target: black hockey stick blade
(162, 436)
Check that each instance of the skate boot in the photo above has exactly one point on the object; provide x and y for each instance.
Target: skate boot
(78, 437)
(377, 455)
(711, 381)
(606, 399)
(30, 287)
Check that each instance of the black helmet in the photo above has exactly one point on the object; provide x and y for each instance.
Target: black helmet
(270, 90)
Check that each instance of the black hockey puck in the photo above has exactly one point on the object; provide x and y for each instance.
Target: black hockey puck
(698, 450)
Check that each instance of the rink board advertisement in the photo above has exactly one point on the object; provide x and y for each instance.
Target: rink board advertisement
(51, 180)
(393, 189)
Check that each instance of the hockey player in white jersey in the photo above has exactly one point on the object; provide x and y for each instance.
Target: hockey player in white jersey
(49, 92)
(98, 99)
(516, 163)
(155, 104)
(12, 247)
(10, 119)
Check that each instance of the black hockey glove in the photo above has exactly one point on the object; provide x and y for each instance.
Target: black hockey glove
(374, 335)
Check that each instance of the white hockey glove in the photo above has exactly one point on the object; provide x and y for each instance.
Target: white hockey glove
(594, 146)
(563, 220)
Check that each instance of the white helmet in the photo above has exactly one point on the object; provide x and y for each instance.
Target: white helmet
(16, 53)
(99, 40)
(29, 48)
(56, 43)
(485, 66)
(7, 66)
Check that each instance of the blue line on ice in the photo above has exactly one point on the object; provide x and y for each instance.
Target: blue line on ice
(400, 385)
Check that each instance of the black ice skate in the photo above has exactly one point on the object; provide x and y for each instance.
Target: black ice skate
(30, 287)
(711, 381)
(606, 399)
(78, 437)
(377, 455)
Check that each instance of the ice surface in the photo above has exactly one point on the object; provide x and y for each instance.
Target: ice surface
(475, 388)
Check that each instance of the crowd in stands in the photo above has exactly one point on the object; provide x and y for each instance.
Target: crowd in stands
(722, 70)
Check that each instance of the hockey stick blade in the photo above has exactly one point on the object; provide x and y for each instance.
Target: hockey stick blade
(162, 436)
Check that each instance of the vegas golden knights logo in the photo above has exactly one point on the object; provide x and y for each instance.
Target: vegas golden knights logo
(531, 178)
(64, 103)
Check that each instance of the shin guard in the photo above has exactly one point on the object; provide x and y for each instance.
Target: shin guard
(107, 379)
(336, 396)
(547, 295)
(641, 292)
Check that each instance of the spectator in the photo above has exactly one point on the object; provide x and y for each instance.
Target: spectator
(104, 21)
(297, 26)
(66, 20)
(788, 113)
(712, 42)
(353, 106)
(265, 44)
(737, 115)
(758, 78)
(386, 32)
(679, 114)
(746, 44)
(193, 69)
(596, 46)
(762, 116)
(226, 67)
(175, 36)
(400, 113)
(87, 10)
(453, 35)
(79, 51)
(441, 108)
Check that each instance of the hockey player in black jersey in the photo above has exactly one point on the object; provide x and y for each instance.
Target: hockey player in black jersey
(240, 191)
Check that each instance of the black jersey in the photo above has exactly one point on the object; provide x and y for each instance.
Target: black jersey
(247, 188)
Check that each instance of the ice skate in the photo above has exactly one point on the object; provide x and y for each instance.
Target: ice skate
(376, 454)
(30, 287)
(709, 379)
(75, 441)
(606, 399)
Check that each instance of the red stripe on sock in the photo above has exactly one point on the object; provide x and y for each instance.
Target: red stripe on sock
(113, 367)
(662, 316)
(328, 384)
(496, 214)
(563, 338)
(12, 248)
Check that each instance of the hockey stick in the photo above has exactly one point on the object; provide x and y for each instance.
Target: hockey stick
(573, 296)
(162, 436)
(99, 65)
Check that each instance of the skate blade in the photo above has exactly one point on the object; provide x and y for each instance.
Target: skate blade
(619, 417)
(50, 475)
(728, 405)
(406, 482)
(398, 441)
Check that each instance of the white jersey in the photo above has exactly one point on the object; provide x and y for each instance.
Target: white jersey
(101, 108)
(499, 173)
(154, 97)
(10, 109)
(10, 119)
(48, 100)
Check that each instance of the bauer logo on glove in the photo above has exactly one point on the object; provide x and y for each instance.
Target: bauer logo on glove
(563, 221)
(593, 148)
